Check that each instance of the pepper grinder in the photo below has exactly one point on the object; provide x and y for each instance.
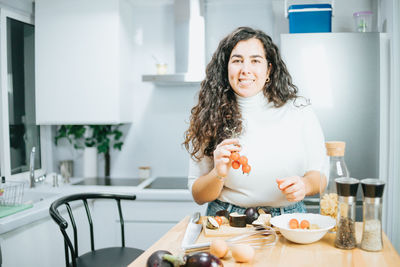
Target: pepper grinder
(372, 214)
(347, 192)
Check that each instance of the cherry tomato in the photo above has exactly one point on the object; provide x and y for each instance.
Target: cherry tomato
(293, 224)
(235, 156)
(305, 224)
(246, 168)
(236, 165)
(218, 219)
(243, 160)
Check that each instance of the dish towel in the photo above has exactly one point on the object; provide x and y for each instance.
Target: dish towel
(8, 210)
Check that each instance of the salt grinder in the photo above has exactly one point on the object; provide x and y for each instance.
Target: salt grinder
(372, 214)
(347, 192)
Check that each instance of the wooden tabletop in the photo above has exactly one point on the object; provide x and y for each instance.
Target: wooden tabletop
(286, 253)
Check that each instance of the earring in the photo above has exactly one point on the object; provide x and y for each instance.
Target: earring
(268, 80)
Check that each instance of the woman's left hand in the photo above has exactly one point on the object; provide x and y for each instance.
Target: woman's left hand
(293, 187)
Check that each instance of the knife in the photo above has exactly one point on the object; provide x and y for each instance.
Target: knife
(192, 231)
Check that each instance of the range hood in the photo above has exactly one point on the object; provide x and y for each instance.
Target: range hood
(189, 45)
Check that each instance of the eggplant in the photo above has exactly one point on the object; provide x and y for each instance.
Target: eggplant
(199, 259)
(156, 259)
(251, 215)
(203, 259)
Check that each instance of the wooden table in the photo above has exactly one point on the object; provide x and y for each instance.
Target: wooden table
(286, 253)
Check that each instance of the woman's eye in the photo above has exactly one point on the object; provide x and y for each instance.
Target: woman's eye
(236, 61)
(256, 61)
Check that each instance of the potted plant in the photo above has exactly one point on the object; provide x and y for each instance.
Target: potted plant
(103, 137)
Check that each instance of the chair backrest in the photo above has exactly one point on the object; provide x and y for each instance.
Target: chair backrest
(63, 224)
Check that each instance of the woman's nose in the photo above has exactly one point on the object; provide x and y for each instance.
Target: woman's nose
(245, 68)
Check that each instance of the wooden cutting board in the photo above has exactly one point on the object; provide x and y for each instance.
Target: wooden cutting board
(225, 229)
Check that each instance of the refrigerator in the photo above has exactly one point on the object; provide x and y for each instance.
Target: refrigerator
(342, 75)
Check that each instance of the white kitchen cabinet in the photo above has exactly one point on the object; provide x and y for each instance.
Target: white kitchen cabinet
(83, 53)
(41, 243)
(27, 245)
(145, 221)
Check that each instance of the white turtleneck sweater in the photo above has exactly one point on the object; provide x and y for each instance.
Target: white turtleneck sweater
(278, 142)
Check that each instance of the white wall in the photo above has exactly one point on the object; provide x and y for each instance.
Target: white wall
(159, 114)
(389, 21)
(223, 16)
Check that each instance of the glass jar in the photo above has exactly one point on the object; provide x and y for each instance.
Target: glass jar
(372, 214)
(144, 172)
(346, 231)
(363, 21)
(337, 168)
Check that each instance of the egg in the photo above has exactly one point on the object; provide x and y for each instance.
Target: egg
(242, 253)
(218, 248)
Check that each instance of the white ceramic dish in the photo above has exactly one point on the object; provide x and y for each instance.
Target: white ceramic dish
(301, 236)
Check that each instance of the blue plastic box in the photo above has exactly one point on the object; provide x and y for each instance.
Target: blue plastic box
(310, 18)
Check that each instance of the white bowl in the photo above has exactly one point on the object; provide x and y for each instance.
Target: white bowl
(303, 236)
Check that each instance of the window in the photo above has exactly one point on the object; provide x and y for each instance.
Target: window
(24, 134)
(19, 131)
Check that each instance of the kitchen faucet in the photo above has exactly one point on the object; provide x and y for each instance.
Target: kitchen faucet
(32, 168)
(32, 179)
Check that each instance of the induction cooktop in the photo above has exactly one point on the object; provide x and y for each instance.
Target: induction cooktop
(111, 181)
(168, 183)
(158, 183)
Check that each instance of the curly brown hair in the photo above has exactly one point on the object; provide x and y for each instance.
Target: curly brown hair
(217, 116)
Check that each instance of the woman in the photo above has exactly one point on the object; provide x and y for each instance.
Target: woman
(248, 104)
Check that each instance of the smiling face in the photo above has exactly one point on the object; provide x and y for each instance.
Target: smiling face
(248, 68)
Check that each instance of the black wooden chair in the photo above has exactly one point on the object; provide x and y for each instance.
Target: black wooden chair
(107, 257)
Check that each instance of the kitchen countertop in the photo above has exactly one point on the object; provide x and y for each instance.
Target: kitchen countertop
(40, 209)
(286, 253)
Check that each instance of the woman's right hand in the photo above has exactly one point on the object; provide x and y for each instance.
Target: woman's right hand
(222, 152)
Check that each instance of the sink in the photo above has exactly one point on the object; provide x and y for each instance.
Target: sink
(34, 196)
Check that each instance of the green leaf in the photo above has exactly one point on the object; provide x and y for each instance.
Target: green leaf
(118, 145)
(117, 135)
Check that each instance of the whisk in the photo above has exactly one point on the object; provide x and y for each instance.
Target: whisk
(259, 237)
